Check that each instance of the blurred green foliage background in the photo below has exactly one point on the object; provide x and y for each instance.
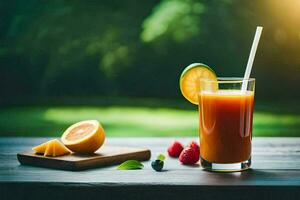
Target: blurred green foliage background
(120, 61)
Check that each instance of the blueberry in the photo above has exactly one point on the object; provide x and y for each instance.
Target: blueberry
(157, 165)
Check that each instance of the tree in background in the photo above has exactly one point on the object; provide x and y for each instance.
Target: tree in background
(130, 48)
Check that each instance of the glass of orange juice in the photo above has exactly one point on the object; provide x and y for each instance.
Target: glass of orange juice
(226, 115)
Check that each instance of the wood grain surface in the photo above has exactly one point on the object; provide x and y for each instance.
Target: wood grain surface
(275, 174)
(107, 155)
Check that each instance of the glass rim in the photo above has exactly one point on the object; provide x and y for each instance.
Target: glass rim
(229, 80)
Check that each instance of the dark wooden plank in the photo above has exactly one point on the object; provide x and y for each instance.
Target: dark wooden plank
(275, 174)
(186, 176)
(284, 155)
(259, 163)
(38, 190)
(260, 144)
(268, 153)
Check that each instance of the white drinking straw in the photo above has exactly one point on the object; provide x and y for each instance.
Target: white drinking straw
(251, 58)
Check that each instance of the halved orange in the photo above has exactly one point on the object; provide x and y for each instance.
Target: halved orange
(190, 80)
(84, 137)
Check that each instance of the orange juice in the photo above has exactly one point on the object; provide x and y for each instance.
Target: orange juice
(226, 125)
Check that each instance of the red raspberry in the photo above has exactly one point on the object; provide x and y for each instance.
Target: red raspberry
(175, 149)
(194, 145)
(189, 156)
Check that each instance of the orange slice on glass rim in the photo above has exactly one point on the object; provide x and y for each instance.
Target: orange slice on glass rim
(190, 84)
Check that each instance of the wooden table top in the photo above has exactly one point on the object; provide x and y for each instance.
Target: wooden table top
(275, 174)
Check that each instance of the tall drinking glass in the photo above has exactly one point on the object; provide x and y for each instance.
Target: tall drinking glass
(226, 115)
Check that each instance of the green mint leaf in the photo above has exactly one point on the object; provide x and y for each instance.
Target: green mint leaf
(130, 164)
(161, 157)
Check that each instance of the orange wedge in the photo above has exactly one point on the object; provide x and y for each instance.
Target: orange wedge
(51, 148)
(84, 137)
(40, 149)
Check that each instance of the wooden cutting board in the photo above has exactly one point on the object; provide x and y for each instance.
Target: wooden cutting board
(107, 155)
